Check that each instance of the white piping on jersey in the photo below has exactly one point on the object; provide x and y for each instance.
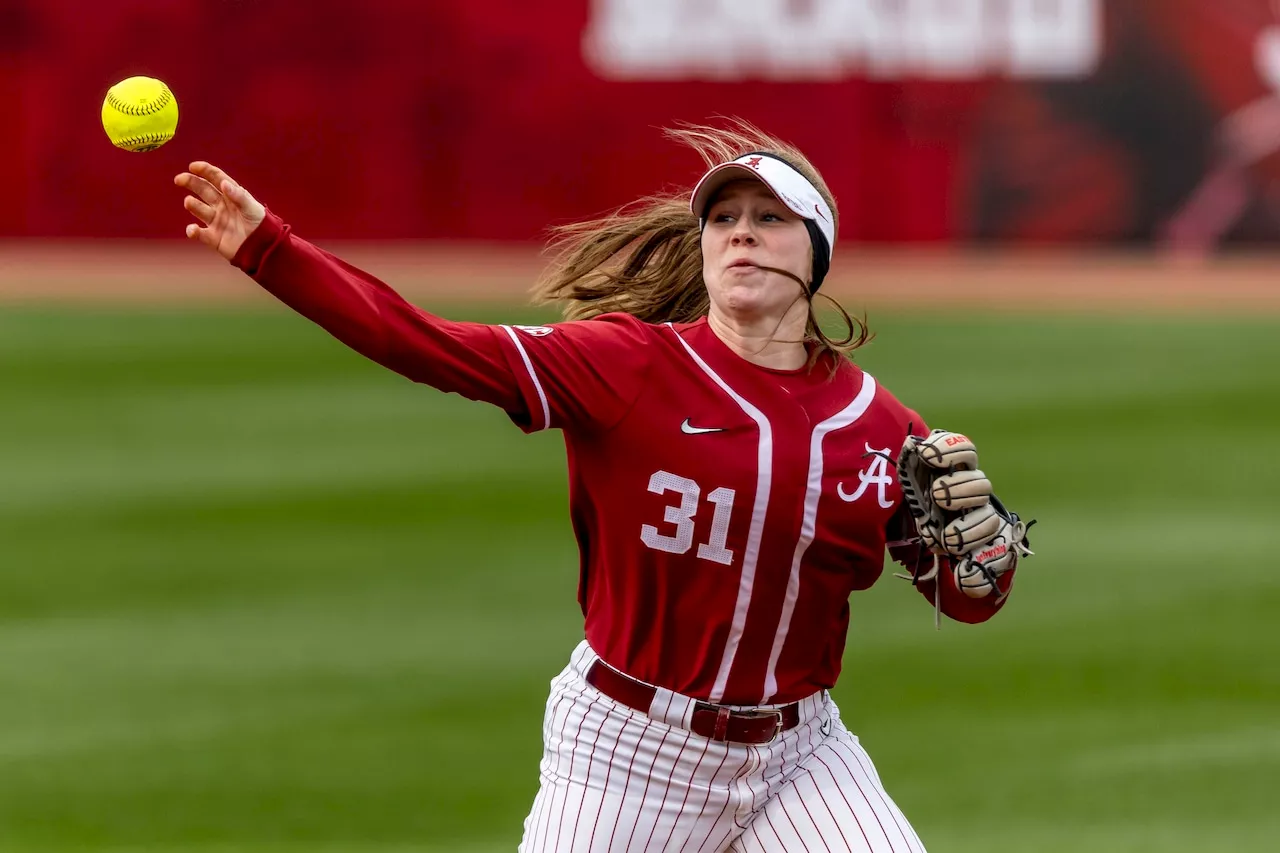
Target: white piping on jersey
(764, 477)
(528, 365)
(850, 413)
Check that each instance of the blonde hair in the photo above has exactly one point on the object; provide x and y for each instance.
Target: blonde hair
(645, 259)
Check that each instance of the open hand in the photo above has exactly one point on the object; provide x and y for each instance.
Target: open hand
(226, 210)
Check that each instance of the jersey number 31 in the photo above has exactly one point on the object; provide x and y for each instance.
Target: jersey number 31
(682, 517)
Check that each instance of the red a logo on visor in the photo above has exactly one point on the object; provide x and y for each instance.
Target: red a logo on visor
(754, 162)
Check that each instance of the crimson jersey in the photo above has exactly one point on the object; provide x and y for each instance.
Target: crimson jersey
(724, 511)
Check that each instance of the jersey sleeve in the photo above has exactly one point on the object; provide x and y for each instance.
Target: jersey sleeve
(574, 375)
(904, 548)
(584, 374)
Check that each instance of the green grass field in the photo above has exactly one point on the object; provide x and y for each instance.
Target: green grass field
(257, 594)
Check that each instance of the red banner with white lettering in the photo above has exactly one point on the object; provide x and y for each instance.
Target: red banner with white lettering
(933, 121)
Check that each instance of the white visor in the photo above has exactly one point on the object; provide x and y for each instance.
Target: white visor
(788, 185)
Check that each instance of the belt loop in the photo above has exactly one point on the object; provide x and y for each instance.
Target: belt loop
(671, 708)
(721, 731)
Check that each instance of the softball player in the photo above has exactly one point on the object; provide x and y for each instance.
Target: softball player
(729, 489)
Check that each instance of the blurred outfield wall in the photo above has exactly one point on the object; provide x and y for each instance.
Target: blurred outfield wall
(948, 122)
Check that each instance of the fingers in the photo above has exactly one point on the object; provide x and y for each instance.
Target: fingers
(213, 194)
(199, 209)
(202, 235)
(252, 209)
(209, 172)
(234, 191)
(249, 206)
(220, 181)
(207, 181)
(199, 187)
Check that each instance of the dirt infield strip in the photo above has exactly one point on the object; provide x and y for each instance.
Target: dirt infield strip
(160, 273)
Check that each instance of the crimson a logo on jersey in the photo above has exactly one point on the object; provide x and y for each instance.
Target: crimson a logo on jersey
(536, 331)
(876, 475)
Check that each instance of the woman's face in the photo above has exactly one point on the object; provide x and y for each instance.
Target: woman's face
(747, 229)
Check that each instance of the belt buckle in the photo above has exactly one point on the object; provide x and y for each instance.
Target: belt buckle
(776, 713)
(777, 725)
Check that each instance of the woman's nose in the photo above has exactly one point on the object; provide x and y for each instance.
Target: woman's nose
(742, 233)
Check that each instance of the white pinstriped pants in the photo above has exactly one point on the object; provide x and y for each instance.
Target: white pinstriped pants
(616, 779)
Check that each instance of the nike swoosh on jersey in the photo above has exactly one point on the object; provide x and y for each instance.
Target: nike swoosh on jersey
(689, 429)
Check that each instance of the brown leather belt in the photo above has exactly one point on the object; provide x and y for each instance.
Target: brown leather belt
(717, 722)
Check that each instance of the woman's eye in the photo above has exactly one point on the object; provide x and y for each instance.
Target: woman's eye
(722, 217)
(771, 217)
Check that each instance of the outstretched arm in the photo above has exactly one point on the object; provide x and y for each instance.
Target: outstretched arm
(585, 375)
(353, 306)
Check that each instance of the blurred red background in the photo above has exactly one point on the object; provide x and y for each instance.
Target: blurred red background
(492, 120)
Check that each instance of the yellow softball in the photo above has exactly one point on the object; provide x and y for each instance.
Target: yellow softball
(140, 114)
